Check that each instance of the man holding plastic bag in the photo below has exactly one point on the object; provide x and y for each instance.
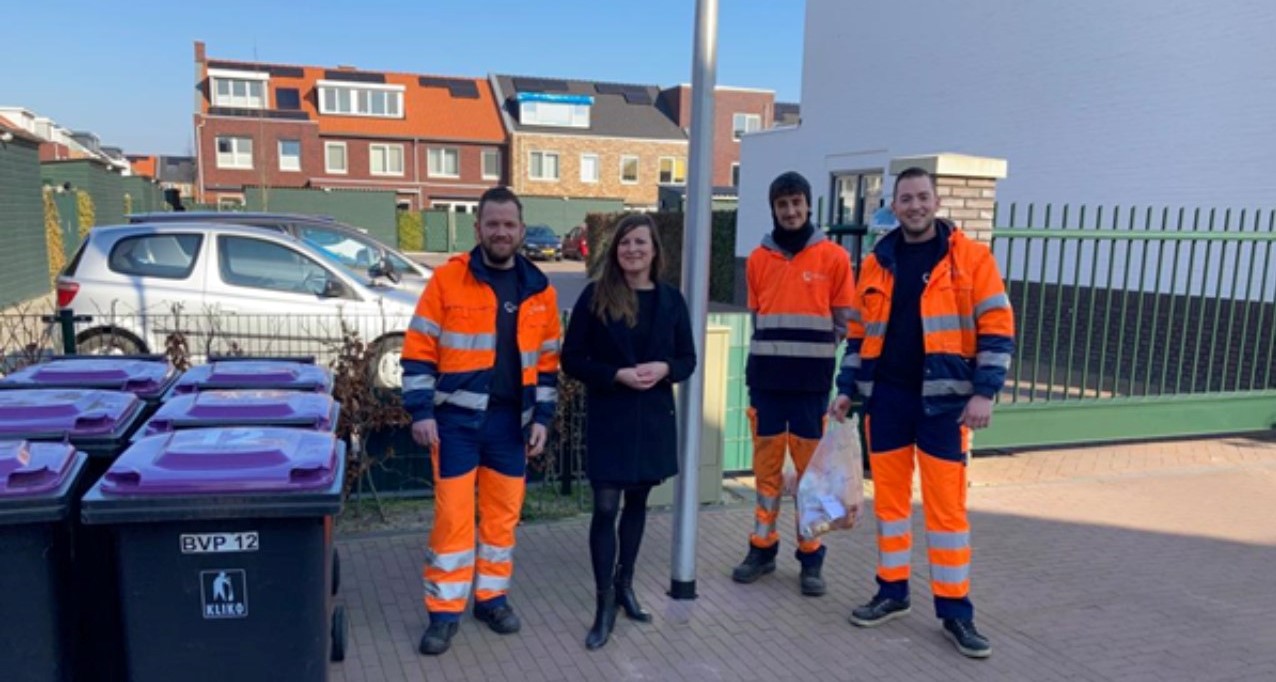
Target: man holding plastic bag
(928, 351)
(801, 290)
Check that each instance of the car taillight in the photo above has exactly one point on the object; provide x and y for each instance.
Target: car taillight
(66, 293)
(584, 248)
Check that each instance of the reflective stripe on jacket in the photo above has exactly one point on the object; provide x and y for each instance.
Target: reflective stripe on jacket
(450, 348)
(967, 324)
(800, 304)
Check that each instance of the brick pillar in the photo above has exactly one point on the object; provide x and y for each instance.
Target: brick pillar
(966, 186)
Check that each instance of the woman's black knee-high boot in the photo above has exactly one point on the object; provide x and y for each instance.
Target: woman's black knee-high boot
(604, 620)
(625, 596)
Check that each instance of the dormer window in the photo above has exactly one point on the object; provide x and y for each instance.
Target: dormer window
(360, 99)
(239, 89)
(551, 110)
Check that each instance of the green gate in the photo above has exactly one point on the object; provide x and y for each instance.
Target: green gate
(1136, 323)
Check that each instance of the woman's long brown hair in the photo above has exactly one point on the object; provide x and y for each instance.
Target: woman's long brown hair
(613, 299)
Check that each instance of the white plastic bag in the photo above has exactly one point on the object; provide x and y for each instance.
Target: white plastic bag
(830, 494)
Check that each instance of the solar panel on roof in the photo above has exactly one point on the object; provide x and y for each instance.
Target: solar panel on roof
(635, 97)
(463, 89)
(539, 85)
(288, 99)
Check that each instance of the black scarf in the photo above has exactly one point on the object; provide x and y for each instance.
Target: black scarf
(792, 241)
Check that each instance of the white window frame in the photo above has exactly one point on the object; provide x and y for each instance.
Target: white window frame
(673, 170)
(597, 168)
(384, 150)
(327, 160)
(554, 114)
(245, 101)
(289, 168)
(496, 170)
(237, 158)
(558, 167)
(637, 171)
(439, 170)
(359, 100)
(737, 128)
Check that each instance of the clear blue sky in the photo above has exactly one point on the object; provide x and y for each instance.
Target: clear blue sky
(126, 70)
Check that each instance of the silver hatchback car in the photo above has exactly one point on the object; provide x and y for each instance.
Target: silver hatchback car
(230, 289)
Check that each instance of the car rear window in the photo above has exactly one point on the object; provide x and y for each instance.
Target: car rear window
(167, 256)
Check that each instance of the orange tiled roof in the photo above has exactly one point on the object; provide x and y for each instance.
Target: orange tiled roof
(143, 165)
(429, 112)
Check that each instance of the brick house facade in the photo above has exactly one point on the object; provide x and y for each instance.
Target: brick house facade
(574, 154)
(307, 126)
(751, 110)
(588, 140)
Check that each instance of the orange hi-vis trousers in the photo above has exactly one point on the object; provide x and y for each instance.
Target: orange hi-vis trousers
(901, 436)
(490, 461)
(782, 422)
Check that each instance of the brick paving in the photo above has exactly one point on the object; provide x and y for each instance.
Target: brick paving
(1146, 561)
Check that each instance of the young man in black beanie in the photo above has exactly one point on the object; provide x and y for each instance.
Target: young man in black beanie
(801, 293)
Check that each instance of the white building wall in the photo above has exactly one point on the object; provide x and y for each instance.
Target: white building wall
(1148, 102)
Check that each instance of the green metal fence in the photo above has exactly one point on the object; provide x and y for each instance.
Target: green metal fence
(1136, 323)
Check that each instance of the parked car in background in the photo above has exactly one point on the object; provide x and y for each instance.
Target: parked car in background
(576, 243)
(351, 245)
(229, 289)
(540, 243)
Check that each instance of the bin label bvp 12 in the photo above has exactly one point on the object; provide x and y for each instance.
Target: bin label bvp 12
(224, 593)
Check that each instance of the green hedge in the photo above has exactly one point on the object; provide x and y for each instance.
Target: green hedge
(669, 229)
(411, 231)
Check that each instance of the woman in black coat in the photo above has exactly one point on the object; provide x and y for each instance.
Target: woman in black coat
(629, 340)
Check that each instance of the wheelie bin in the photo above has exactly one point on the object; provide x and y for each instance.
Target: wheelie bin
(37, 505)
(255, 373)
(97, 423)
(314, 411)
(149, 377)
(222, 536)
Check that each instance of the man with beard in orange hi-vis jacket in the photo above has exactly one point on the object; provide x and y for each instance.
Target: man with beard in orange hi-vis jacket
(480, 377)
(801, 291)
(928, 352)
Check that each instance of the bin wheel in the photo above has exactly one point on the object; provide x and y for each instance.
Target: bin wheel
(338, 634)
(336, 571)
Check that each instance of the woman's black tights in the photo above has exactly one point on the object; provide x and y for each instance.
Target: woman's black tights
(603, 535)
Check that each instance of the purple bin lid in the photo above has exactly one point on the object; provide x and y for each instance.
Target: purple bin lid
(278, 374)
(244, 408)
(64, 412)
(28, 468)
(225, 461)
(146, 378)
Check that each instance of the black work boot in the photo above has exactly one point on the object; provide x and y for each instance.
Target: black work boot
(501, 619)
(812, 583)
(966, 638)
(757, 563)
(604, 619)
(626, 598)
(879, 610)
(437, 637)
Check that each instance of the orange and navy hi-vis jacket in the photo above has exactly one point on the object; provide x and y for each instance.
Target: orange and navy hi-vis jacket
(801, 303)
(968, 327)
(450, 349)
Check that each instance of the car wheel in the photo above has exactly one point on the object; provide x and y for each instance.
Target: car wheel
(108, 342)
(384, 366)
